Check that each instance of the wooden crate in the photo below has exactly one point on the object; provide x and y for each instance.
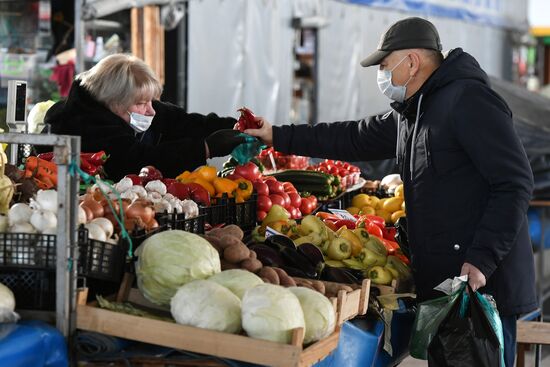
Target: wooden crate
(350, 304)
(239, 347)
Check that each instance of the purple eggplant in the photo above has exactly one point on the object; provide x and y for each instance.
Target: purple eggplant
(267, 255)
(278, 242)
(312, 252)
(338, 275)
(298, 260)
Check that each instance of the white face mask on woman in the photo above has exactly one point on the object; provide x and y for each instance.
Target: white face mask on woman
(393, 92)
(139, 122)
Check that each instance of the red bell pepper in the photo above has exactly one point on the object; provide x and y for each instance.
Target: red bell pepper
(179, 190)
(345, 222)
(390, 246)
(330, 224)
(370, 226)
(402, 257)
(389, 233)
(46, 156)
(379, 221)
(249, 171)
(325, 215)
(199, 194)
(87, 167)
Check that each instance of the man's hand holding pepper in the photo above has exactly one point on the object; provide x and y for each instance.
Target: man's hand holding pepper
(264, 133)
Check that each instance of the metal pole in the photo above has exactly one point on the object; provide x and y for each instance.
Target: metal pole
(79, 35)
(181, 89)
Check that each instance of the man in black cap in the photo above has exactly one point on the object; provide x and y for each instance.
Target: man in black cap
(466, 176)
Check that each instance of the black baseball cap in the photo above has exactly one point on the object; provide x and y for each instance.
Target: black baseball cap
(407, 33)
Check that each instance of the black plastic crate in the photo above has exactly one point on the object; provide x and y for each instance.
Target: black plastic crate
(243, 214)
(34, 289)
(100, 260)
(27, 250)
(177, 221)
(217, 213)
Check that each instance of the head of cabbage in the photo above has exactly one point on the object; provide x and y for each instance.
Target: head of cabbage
(271, 312)
(7, 305)
(208, 305)
(237, 281)
(170, 259)
(319, 314)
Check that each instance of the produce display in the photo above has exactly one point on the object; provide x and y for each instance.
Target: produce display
(389, 208)
(347, 173)
(323, 186)
(282, 161)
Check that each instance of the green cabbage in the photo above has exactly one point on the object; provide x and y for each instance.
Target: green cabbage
(170, 259)
(318, 311)
(7, 300)
(208, 305)
(271, 312)
(237, 281)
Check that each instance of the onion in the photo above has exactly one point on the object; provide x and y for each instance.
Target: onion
(19, 213)
(22, 228)
(105, 225)
(88, 212)
(95, 232)
(43, 219)
(94, 206)
(107, 207)
(47, 200)
(139, 210)
(133, 223)
(82, 215)
(152, 224)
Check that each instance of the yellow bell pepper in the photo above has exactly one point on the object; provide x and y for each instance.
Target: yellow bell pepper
(356, 245)
(183, 176)
(207, 173)
(207, 185)
(224, 186)
(244, 189)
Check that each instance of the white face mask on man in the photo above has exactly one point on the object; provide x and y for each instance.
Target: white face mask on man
(139, 122)
(394, 92)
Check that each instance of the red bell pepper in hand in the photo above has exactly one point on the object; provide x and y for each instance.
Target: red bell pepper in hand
(87, 167)
(247, 120)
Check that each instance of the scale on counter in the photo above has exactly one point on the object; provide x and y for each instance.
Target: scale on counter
(16, 116)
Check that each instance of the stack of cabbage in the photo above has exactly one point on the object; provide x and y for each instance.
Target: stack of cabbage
(183, 270)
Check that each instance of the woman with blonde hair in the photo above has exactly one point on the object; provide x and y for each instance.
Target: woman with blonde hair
(115, 107)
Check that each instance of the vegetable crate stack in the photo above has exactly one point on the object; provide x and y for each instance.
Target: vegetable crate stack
(184, 300)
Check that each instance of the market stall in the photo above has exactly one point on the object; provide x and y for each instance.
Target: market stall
(277, 265)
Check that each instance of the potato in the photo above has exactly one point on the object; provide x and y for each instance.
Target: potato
(252, 255)
(227, 265)
(301, 281)
(284, 279)
(252, 265)
(233, 230)
(236, 253)
(214, 241)
(216, 232)
(228, 241)
(270, 274)
(319, 286)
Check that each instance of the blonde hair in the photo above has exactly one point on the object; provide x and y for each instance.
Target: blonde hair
(121, 80)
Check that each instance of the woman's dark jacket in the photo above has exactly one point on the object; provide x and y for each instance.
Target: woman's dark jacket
(173, 143)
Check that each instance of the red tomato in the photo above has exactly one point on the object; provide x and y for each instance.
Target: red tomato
(249, 171)
(313, 199)
(260, 215)
(342, 172)
(264, 203)
(295, 199)
(277, 199)
(334, 171)
(275, 186)
(286, 198)
(261, 188)
(293, 212)
(306, 207)
(298, 214)
(289, 187)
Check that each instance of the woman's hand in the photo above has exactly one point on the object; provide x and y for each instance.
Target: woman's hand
(264, 133)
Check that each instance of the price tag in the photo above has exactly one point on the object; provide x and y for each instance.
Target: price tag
(271, 232)
(344, 214)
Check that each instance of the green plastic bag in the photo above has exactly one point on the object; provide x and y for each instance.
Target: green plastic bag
(429, 315)
(244, 152)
